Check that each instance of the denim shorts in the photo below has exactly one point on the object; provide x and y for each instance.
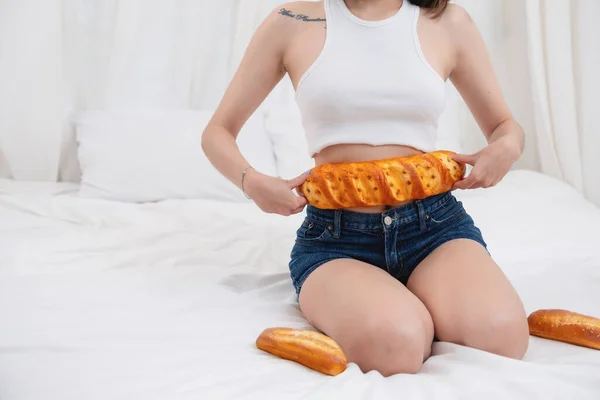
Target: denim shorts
(396, 240)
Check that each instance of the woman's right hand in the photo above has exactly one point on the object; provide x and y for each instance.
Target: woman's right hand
(275, 195)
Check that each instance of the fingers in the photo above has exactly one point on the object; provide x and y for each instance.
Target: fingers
(297, 210)
(293, 211)
(299, 192)
(297, 181)
(468, 183)
(301, 202)
(476, 180)
(472, 181)
(465, 158)
(284, 201)
(296, 207)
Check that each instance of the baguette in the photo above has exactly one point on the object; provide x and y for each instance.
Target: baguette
(311, 349)
(381, 182)
(566, 326)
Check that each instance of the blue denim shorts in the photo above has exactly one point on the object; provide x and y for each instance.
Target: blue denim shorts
(396, 240)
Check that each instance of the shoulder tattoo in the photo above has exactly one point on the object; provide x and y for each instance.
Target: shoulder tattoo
(300, 17)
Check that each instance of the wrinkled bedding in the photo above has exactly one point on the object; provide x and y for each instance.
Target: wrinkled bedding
(107, 300)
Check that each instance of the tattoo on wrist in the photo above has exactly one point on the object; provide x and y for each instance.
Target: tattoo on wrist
(300, 17)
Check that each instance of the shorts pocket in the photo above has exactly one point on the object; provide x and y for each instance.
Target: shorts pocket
(311, 231)
(446, 215)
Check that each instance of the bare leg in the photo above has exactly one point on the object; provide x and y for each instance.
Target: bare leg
(375, 319)
(471, 300)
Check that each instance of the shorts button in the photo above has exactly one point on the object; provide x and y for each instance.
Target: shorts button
(387, 220)
(330, 227)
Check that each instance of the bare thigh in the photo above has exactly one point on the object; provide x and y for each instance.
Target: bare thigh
(470, 299)
(379, 323)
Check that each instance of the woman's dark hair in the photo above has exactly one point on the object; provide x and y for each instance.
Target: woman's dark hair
(437, 7)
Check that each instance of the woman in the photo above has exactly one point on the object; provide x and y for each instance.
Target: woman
(369, 77)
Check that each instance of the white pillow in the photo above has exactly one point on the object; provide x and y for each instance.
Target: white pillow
(144, 156)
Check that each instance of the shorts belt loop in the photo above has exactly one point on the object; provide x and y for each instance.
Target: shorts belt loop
(337, 224)
(421, 212)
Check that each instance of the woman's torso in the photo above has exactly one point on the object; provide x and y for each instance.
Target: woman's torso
(307, 46)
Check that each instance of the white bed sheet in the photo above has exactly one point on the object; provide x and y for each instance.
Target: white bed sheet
(104, 300)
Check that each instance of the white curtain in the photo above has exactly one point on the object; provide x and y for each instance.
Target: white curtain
(547, 58)
(147, 53)
(58, 57)
(503, 25)
(32, 96)
(564, 60)
(586, 30)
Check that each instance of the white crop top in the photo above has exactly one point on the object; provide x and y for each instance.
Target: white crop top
(371, 84)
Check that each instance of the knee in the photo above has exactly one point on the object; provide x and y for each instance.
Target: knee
(504, 334)
(389, 348)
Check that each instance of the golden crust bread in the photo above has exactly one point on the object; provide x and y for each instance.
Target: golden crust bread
(566, 326)
(311, 349)
(381, 182)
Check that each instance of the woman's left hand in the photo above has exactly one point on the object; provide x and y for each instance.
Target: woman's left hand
(490, 165)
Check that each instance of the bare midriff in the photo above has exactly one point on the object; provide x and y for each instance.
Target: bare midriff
(342, 153)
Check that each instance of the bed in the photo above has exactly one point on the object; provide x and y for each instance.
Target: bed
(164, 300)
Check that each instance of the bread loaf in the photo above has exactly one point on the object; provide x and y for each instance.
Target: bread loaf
(311, 349)
(566, 326)
(382, 182)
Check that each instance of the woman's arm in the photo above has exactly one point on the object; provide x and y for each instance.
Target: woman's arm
(259, 72)
(474, 78)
